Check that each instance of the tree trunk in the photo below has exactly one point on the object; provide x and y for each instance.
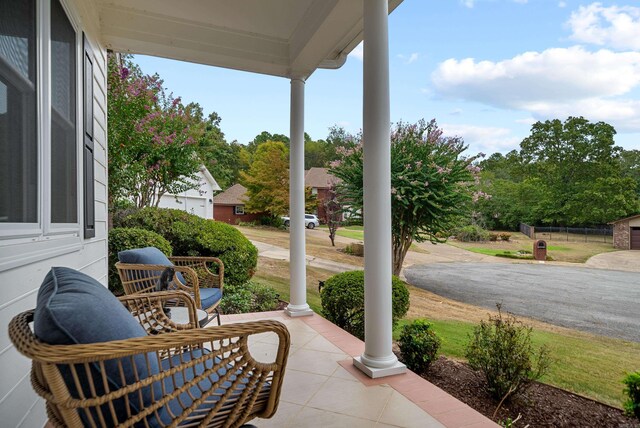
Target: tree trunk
(400, 246)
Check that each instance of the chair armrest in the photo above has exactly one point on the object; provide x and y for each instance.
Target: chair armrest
(141, 278)
(153, 310)
(197, 263)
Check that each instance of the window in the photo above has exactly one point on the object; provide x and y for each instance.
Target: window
(39, 133)
(64, 185)
(238, 210)
(18, 113)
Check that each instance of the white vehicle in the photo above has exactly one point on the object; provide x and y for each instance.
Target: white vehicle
(310, 221)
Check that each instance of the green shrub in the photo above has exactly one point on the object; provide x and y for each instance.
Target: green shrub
(250, 297)
(501, 350)
(471, 233)
(272, 221)
(419, 346)
(632, 405)
(343, 301)
(121, 239)
(191, 235)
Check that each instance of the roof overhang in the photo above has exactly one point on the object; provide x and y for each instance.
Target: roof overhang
(287, 38)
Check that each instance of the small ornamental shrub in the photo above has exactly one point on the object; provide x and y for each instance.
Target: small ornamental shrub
(191, 235)
(343, 301)
(632, 405)
(504, 236)
(493, 237)
(472, 233)
(419, 346)
(501, 350)
(121, 239)
(250, 297)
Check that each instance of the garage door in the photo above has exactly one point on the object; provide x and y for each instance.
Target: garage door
(635, 238)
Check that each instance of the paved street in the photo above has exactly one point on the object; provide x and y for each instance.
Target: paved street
(599, 301)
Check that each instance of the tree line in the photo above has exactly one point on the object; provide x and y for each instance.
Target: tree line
(567, 173)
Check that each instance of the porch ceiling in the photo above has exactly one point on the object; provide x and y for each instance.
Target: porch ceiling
(288, 38)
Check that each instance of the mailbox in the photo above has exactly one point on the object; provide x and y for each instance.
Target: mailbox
(540, 250)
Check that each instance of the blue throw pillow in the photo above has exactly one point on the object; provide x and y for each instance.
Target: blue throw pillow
(73, 308)
(147, 256)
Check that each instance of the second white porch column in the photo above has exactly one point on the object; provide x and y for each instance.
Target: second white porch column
(297, 266)
(378, 359)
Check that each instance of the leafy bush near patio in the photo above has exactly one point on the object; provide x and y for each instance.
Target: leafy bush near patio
(472, 233)
(191, 235)
(501, 350)
(121, 239)
(343, 301)
(250, 297)
(632, 405)
(419, 346)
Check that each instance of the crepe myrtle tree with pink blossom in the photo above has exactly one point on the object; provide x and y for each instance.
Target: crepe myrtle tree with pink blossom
(151, 137)
(433, 184)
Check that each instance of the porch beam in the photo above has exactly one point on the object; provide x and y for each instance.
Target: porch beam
(378, 359)
(297, 252)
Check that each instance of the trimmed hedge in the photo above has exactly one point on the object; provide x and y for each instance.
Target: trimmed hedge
(343, 301)
(191, 235)
(121, 239)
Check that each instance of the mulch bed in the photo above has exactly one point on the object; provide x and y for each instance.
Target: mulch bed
(540, 405)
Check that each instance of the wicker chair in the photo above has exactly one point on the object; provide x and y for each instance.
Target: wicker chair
(195, 271)
(206, 378)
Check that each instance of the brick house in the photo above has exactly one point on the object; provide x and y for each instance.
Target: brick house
(626, 233)
(228, 206)
(320, 181)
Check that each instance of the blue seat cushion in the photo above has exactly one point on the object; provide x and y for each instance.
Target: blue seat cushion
(73, 308)
(204, 386)
(209, 297)
(147, 256)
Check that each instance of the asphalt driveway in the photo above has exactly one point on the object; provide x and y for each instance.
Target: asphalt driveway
(598, 301)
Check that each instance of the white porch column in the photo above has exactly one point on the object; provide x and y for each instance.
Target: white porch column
(298, 286)
(378, 359)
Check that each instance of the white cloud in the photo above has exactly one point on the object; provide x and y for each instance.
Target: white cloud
(468, 3)
(521, 1)
(482, 138)
(615, 26)
(358, 52)
(527, 121)
(456, 112)
(554, 83)
(562, 4)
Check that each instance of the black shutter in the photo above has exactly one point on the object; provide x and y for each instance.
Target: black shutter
(87, 108)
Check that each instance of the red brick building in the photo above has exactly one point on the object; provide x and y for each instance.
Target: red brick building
(228, 206)
(320, 181)
(626, 233)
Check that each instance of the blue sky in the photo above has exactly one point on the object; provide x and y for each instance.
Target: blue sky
(484, 69)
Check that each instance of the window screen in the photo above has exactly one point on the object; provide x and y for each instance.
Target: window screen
(64, 187)
(18, 112)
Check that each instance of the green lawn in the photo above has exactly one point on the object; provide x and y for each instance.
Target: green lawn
(353, 232)
(282, 288)
(588, 365)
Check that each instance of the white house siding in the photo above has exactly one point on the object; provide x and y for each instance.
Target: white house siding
(20, 276)
(197, 201)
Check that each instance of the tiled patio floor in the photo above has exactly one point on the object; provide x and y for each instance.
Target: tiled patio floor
(323, 389)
